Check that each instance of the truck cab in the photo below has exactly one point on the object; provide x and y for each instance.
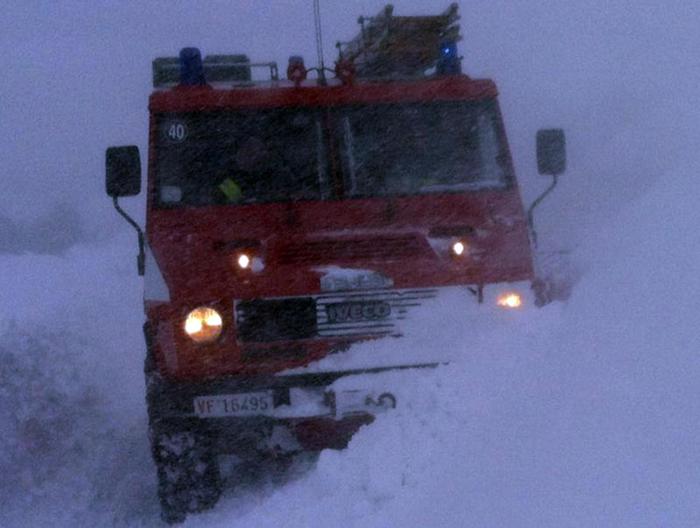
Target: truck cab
(290, 219)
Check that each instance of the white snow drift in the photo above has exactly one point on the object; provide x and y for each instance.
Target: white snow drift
(578, 414)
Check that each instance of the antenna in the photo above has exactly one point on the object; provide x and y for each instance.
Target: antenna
(319, 43)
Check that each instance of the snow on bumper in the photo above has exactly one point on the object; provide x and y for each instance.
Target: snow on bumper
(330, 395)
(316, 402)
(432, 331)
(346, 383)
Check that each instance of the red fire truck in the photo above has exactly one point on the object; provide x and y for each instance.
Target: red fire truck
(289, 219)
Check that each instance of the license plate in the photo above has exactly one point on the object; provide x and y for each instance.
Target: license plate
(248, 404)
(358, 311)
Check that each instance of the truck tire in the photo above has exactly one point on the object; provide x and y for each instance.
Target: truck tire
(188, 474)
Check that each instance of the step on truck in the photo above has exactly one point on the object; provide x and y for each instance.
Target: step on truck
(289, 219)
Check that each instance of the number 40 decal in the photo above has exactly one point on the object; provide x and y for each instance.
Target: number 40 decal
(176, 131)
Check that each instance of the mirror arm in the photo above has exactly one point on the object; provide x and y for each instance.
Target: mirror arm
(141, 258)
(530, 211)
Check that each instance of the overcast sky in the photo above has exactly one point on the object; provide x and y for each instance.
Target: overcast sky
(76, 77)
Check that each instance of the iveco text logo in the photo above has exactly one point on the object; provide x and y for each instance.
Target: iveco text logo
(358, 311)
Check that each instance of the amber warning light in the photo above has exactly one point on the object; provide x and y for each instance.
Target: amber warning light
(510, 300)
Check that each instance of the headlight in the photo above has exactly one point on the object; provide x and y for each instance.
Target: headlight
(249, 261)
(509, 300)
(203, 324)
(243, 261)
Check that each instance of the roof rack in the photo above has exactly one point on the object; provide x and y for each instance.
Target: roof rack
(389, 46)
(234, 69)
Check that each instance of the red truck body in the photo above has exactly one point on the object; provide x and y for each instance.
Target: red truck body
(296, 218)
(195, 247)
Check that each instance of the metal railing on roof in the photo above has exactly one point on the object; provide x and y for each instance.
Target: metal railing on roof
(399, 46)
(234, 69)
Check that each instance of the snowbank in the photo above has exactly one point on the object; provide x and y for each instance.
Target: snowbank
(73, 445)
(579, 414)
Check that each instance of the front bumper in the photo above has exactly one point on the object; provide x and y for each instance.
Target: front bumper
(297, 396)
(307, 413)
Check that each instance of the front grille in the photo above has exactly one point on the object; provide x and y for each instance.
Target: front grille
(276, 319)
(343, 314)
(381, 311)
(331, 251)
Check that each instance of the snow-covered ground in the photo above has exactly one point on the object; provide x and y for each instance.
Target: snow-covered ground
(579, 414)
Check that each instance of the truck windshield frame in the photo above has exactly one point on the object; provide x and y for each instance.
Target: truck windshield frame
(239, 157)
(422, 148)
(255, 156)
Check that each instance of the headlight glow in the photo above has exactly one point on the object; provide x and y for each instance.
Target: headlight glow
(458, 248)
(510, 300)
(203, 324)
(193, 326)
(243, 261)
(213, 318)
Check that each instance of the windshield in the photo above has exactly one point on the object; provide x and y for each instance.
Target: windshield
(239, 157)
(258, 156)
(415, 148)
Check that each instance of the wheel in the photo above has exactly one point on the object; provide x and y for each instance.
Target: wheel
(188, 474)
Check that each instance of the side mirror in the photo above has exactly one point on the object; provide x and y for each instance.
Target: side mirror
(551, 151)
(123, 174)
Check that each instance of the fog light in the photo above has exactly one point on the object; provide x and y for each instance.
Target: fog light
(203, 324)
(243, 261)
(458, 248)
(509, 300)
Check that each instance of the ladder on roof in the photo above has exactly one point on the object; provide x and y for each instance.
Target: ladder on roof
(391, 46)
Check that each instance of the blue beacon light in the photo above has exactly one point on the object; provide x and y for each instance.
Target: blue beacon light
(449, 62)
(191, 67)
